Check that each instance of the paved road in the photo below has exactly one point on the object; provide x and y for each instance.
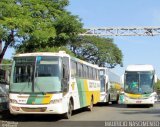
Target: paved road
(101, 113)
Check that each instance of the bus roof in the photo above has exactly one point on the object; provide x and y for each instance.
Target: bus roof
(111, 73)
(60, 53)
(84, 62)
(140, 67)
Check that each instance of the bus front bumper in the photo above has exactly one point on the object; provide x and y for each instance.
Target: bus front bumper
(150, 100)
(36, 109)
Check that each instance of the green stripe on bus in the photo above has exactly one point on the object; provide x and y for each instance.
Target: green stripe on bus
(81, 92)
(39, 100)
(31, 99)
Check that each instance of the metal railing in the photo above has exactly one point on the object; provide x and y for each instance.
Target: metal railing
(122, 31)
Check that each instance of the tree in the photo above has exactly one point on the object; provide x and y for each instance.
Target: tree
(6, 64)
(157, 86)
(101, 51)
(6, 61)
(67, 29)
(32, 24)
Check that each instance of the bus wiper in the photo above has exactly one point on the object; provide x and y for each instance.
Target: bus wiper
(41, 91)
(35, 83)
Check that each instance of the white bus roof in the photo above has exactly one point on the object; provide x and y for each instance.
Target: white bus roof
(60, 53)
(42, 54)
(111, 74)
(140, 67)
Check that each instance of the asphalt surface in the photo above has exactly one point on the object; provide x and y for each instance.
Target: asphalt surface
(82, 117)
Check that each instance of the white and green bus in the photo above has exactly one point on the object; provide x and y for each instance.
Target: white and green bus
(110, 85)
(4, 88)
(52, 83)
(139, 83)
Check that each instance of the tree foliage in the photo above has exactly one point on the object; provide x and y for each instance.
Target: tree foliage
(157, 86)
(36, 24)
(7, 61)
(45, 25)
(6, 64)
(101, 51)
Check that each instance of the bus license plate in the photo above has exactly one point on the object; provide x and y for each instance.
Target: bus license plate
(138, 102)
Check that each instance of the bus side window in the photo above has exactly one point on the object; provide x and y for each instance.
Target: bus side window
(65, 73)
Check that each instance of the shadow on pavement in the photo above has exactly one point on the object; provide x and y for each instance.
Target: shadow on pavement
(142, 109)
(110, 105)
(6, 116)
(138, 106)
(153, 111)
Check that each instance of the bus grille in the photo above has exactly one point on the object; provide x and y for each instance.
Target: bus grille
(34, 109)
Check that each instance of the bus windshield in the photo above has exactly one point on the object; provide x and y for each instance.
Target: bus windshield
(36, 74)
(48, 74)
(139, 82)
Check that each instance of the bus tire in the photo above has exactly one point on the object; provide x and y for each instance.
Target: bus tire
(150, 105)
(90, 107)
(108, 100)
(68, 114)
(129, 105)
(116, 102)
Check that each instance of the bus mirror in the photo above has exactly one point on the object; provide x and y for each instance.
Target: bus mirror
(66, 74)
(64, 85)
(155, 78)
(122, 79)
(8, 79)
(107, 78)
(122, 93)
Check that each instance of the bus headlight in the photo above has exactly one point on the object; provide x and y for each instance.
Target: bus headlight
(55, 101)
(13, 101)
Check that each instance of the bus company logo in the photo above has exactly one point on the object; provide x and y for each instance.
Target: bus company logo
(94, 85)
(91, 84)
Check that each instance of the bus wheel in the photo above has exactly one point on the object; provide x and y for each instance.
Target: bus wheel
(108, 100)
(68, 114)
(116, 101)
(129, 105)
(90, 107)
(150, 105)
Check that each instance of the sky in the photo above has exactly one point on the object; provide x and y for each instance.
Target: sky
(122, 13)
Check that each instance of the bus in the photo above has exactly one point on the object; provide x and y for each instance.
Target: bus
(4, 88)
(139, 81)
(52, 83)
(110, 86)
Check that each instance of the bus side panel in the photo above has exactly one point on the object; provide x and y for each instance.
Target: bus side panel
(85, 93)
(81, 92)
